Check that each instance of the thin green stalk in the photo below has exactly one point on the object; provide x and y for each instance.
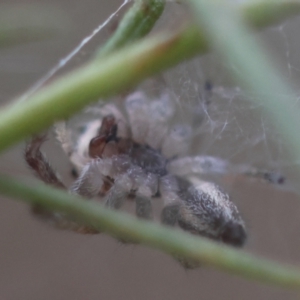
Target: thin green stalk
(102, 78)
(169, 240)
(137, 22)
(254, 68)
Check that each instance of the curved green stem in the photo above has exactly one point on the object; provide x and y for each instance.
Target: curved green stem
(102, 78)
(136, 23)
(169, 240)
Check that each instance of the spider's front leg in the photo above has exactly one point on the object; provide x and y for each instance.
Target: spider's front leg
(141, 186)
(90, 181)
(44, 171)
(39, 163)
(131, 183)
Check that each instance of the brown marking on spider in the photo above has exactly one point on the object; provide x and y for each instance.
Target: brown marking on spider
(107, 134)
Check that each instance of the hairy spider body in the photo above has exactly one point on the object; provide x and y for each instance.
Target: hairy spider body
(138, 156)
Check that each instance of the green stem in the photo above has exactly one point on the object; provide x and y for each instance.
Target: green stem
(137, 22)
(102, 78)
(171, 241)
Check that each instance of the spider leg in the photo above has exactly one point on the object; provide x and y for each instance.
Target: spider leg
(90, 181)
(42, 168)
(168, 188)
(124, 184)
(268, 176)
(142, 186)
(39, 163)
(170, 214)
(143, 208)
(137, 108)
(198, 165)
(214, 165)
(76, 153)
(117, 194)
(177, 142)
(146, 187)
(160, 113)
(63, 135)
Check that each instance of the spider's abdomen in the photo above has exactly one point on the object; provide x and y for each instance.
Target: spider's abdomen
(208, 211)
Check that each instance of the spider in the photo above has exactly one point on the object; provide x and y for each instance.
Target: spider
(131, 152)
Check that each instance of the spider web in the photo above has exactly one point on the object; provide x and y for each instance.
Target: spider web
(225, 122)
(233, 127)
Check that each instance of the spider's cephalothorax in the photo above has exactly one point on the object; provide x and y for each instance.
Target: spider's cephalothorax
(137, 154)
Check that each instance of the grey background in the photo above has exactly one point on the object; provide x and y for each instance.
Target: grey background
(38, 262)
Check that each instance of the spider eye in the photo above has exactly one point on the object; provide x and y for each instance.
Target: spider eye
(234, 234)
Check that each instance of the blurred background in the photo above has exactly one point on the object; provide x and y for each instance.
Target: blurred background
(39, 262)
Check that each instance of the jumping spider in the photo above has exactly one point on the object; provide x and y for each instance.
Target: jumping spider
(134, 154)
